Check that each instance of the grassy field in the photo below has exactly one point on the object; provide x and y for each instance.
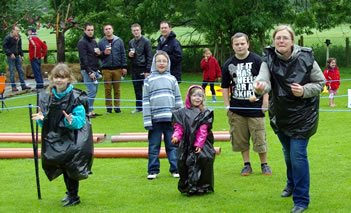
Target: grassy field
(120, 185)
(337, 36)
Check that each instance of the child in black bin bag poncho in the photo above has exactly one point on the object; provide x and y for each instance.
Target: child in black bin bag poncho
(192, 130)
(67, 145)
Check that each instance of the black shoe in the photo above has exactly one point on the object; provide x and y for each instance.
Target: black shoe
(72, 201)
(109, 111)
(118, 110)
(287, 192)
(65, 199)
(298, 209)
(14, 89)
(25, 88)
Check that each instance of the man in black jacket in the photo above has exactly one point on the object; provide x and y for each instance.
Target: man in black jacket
(140, 54)
(168, 43)
(12, 46)
(88, 56)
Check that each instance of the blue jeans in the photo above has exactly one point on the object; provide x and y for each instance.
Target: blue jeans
(92, 88)
(298, 172)
(36, 68)
(17, 62)
(155, 145)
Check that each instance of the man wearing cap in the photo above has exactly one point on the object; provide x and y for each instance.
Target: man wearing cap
(12, 46)
(37, 51)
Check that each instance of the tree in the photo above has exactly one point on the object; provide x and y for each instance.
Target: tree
(321, 15)
(59, 18)
(219, 20)
(23, 14)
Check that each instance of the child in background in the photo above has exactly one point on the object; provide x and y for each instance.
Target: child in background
(332, 75)
(192, 130)
(67, 145)
(161, 96)
(211, 71)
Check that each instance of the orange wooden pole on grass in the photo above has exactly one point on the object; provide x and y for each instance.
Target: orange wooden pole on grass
(107, 152)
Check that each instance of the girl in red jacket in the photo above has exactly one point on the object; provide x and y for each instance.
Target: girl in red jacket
(332, 75)
(211, 71)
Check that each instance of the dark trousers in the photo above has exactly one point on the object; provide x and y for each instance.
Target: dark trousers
(72, 185)
(204, 84)
(138, 83)
(36, 68)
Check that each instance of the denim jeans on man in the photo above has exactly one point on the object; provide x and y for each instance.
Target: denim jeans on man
(298, 172)
(155, 144)
(17, 62)
(36, 68)
(92, 87)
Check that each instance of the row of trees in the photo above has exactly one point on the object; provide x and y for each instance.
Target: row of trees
(217, 20)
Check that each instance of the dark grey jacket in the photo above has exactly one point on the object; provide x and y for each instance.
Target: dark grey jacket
(11, 45)
(117, 59)
(143, 53)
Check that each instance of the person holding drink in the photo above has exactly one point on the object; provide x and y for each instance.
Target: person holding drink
(114, 66)
(140, 54)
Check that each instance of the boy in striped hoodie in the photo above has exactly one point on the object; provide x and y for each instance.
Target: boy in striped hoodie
(161, 96)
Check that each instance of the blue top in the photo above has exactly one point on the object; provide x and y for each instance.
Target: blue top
(78, 112)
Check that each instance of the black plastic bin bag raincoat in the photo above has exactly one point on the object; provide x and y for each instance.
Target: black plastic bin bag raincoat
(195, 170)
(64, 148)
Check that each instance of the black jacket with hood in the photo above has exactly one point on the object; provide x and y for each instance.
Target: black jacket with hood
(173, 48)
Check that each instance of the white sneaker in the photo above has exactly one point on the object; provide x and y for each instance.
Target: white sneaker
(152, 176)
(175, 175)
(136, 111)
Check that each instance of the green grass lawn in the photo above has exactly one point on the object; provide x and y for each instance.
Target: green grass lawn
(120, 185)
(336, 35)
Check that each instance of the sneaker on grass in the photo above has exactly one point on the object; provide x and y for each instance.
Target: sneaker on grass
(266, 170)
(152, 176)
(246, 171)
(175, 175)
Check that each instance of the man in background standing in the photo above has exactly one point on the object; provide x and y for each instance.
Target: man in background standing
(12, 46)
(88, 56)
(114, 65)
(140, 54)
(168, 43)
(37, 51)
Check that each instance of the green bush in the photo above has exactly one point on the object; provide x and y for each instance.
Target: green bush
(191, 59)
(72, 57)
(338, 52)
